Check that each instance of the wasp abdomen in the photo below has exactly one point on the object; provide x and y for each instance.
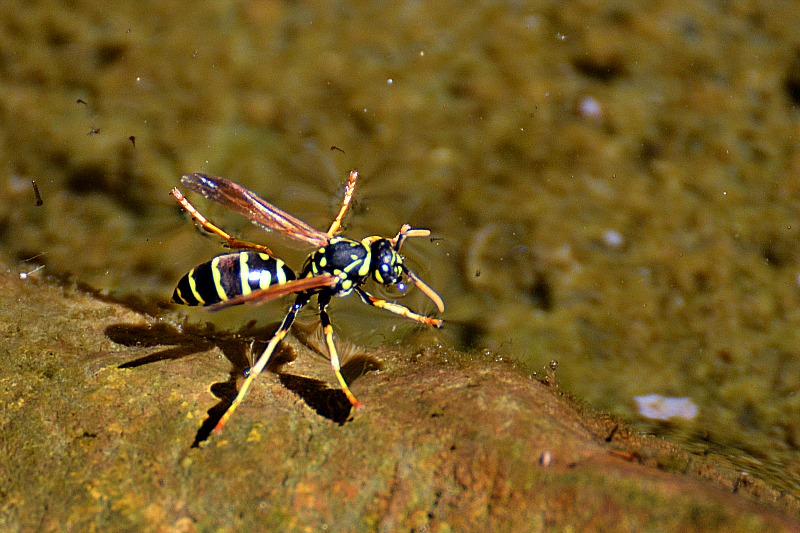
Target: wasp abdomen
(230, 275)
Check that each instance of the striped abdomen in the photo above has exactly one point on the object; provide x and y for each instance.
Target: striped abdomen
(230, 275)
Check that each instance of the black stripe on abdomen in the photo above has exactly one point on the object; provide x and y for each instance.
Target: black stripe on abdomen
(230, 275)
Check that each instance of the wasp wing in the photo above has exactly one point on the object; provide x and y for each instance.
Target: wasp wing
(276, 291)
(259, 211)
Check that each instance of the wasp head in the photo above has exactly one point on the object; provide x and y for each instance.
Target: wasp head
(387, 263)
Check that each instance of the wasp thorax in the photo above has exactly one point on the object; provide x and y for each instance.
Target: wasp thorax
(387, 264)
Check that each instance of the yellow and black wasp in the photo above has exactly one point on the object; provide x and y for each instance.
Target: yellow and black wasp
(337, 267)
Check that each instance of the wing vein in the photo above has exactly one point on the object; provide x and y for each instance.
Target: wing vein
(245, 202)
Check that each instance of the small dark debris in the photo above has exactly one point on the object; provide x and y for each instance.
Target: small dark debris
(741, 482)
(612, 433)
(39, 200)
(604, 69)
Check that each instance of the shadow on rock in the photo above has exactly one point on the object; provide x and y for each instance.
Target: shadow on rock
(239, 348)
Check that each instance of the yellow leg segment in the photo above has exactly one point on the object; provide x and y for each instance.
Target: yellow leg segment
(263, 360)
(254, 372)
(348, 196)
(328, 331)
(398, 309)
(230, 242)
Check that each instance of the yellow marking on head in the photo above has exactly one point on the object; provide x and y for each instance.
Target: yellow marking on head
(244, 273)
(264, 256)
(217, 275)
(193, 287)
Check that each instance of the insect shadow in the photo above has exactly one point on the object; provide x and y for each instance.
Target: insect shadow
(328, 402)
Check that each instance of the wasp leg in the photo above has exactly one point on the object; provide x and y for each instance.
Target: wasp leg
(348, 196)
(327, 329)
(397, 309)
(230, 242)
(301, 301)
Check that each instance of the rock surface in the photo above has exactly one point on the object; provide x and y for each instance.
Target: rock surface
(106, 416)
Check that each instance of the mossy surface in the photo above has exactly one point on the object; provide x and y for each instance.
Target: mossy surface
(611, 186)
(99, 432)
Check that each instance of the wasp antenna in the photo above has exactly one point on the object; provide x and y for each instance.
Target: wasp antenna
(406, 231)
(430, 293)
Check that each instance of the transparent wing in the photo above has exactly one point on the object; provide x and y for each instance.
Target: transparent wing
(247, 203)
(276, 291)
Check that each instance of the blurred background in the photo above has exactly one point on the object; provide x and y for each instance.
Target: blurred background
(616, 188)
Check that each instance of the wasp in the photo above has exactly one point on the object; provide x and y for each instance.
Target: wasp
(338, 266)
